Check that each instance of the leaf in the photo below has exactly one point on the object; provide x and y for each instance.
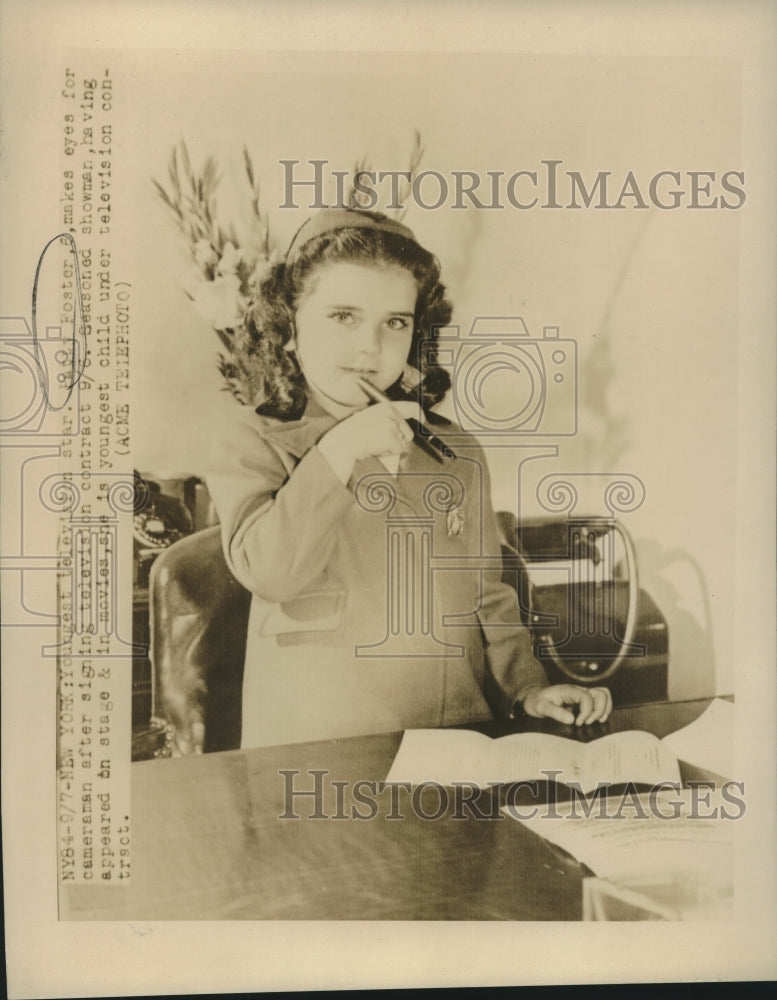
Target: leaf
(187, 166)
(163, 194)
(416, 155)
(225, 339)
(249, 166)
(210, 175)
(417, 152)
(175, 176)
(173, 182)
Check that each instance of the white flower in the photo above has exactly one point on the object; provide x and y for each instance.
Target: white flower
(230, 260)
(204, 255)
(219, 302)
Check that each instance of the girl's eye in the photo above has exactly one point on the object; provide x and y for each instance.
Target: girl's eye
(342, 316)
(398, 323)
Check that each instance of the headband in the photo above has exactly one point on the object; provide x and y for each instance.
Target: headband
(330, 219)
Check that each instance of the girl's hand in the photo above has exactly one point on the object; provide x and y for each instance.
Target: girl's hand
(593, 704)
(377, 430)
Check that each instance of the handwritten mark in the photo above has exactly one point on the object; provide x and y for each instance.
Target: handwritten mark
(75, 371)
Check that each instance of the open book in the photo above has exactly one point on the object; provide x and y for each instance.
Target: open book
(452, 756)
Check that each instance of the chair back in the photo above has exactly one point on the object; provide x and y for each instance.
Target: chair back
(198, 624)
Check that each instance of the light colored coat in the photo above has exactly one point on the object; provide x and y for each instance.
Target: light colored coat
(377, 606)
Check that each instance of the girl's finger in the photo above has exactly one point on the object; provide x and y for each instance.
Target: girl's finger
(606, 703)
(403, 430)
(586, 709)
(399, 424)
(559, 713)
(601, 705)
(409, 411)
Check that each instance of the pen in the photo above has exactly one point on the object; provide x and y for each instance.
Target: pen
(422, 435)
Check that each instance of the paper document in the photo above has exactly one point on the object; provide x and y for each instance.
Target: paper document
(670, 834)
(450, 756)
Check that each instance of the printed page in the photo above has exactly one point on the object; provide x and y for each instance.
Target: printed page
(635, 756)
(536, 757)
(449, 756)
(445, 757)
(660, 837)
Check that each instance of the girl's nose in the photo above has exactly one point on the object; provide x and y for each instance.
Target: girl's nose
(369, 341)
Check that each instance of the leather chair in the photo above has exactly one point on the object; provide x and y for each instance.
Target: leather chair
(199, 624)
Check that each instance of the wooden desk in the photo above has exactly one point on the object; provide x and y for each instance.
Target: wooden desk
(208, 843)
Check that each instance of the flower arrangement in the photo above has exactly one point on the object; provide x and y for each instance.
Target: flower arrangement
(225, 272)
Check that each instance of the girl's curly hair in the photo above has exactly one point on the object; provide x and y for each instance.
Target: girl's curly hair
(277, 383)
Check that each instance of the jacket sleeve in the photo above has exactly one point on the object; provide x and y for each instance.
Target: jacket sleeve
(276, 526)
(512, 667)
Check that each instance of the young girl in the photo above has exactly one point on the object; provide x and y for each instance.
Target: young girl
(373, 561)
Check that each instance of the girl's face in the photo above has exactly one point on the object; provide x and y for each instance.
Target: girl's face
(355, 320)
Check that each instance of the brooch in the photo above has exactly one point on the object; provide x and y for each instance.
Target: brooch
(455, 522)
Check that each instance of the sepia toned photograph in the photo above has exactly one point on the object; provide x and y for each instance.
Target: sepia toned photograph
(387, 448)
